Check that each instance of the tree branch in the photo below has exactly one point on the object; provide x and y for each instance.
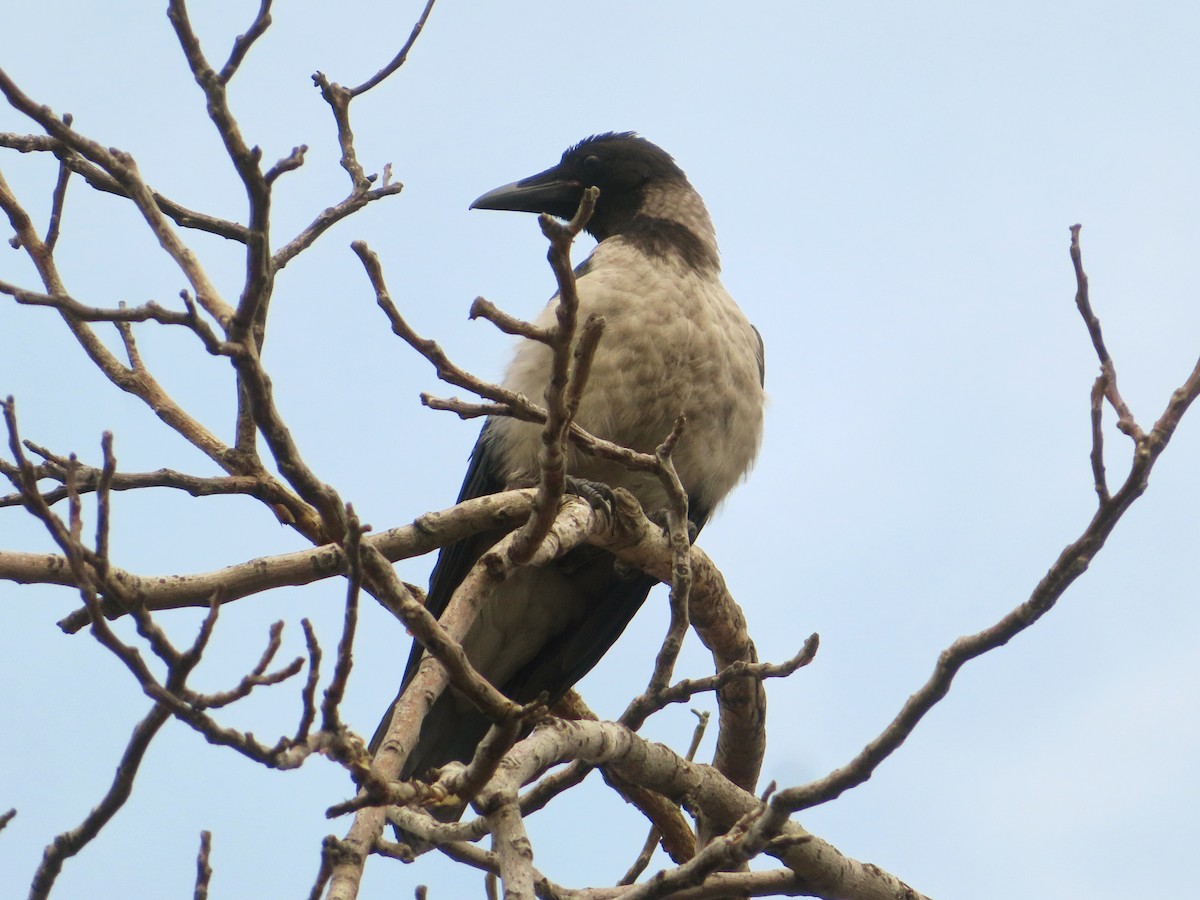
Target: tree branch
(426, 533)
(101, 181)
(400, 58)
(1072, 562)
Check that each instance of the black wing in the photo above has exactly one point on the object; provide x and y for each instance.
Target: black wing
(762, 358)
(612, 597)
(615, 595)
(455, 560)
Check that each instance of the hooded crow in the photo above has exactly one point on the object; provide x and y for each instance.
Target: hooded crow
(674, 343)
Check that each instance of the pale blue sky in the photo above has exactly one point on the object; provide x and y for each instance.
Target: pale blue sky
(892, 187)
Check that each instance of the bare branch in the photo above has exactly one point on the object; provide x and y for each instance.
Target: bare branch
(728, 851)
(684, 690)
(510, 843)
(721, 627)
(656, 832)
(58, 198)
(446, 661)
(1071, 563)
(429, 830)
(566, 382)
(203, 868)
(428, 532)
(69, 843)
(122, 314)
(399, 59)
(87, 480)
(278, 436)
(121, 167)
(466, 410)
(289, 163)
(247, 327)
(516, 405)
(485, 309)
(101, 181)
(257, 677)
(137, 380)
(467, 782)
(139, 384)
(1097, 455)
(330, 216)
(681, 570)
(331, 848)
(773, 883)
(243, 42)
(1125, 420)
(245, 159)
(91, 572)
(330, 720)
(824, 870)
(339, 99)
(103, 497)
(308, 696)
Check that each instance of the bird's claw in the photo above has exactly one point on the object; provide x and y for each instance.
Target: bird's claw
(599, 496)
(660, 517)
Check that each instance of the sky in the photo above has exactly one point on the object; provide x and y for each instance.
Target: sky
(892, 187)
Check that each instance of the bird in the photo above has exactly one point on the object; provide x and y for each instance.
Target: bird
(675, 343)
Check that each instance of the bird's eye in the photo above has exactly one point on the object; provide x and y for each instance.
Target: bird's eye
(591, 165)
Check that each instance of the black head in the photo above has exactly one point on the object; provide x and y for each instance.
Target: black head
(621, 164)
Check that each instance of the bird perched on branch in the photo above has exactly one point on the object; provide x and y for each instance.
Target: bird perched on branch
(674, 343)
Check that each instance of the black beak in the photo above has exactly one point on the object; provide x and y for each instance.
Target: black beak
(547, 192)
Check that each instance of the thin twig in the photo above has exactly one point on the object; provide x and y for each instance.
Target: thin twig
(101, 181)
(257, 677)
(516, 405)
(684, 690)
(121, 167)
(472, 778)
(289, 163)
(566, 382)
(509, 324)
(1125, 419)
(724, 852)
(681, 569)
(144, 313)
(69, 843)
(339, 99)
(308, 694)
(330, 720)
(243, 42)
(330, 216)
(203, 867)
(652, 839)
(138, 382)
(87, 479)
(1071, 563)
(1097, 455)
(399, 59)
(53, 229)
(427, 533)
(331, 848)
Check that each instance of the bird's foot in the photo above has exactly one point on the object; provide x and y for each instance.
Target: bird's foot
(661, 518)
(598, 494)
